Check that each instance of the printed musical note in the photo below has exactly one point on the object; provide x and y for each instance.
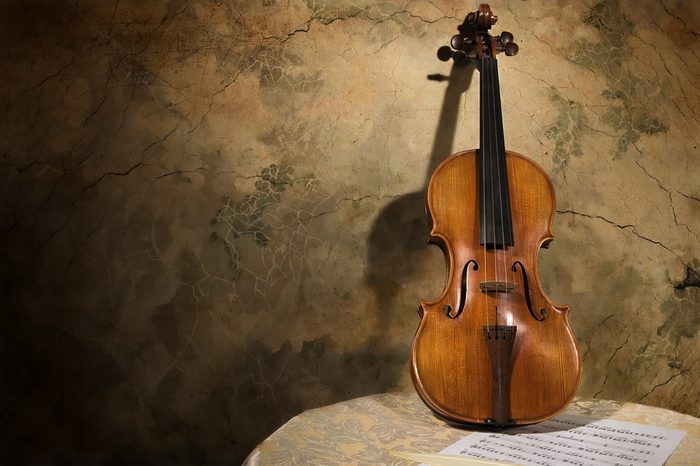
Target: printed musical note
(572, 440)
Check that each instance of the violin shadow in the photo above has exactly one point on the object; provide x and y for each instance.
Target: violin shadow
(399, 261)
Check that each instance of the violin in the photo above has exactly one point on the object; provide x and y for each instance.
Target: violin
(492, 349)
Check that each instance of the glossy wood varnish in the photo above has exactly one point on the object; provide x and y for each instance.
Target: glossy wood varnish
(450, 364)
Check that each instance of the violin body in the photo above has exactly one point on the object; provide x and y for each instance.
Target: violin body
(492, 349)
(458, 370)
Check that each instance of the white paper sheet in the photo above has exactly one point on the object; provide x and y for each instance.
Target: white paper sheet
(572, 440)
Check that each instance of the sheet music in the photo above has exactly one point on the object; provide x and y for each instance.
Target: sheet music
(572, 440)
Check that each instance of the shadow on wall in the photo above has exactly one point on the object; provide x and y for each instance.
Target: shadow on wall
(74, 382)
(397, 249)
(397, 255)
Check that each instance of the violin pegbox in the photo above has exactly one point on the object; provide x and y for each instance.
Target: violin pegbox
(474, 40)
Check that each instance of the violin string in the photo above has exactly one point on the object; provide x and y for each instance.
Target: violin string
(482, 156)
(509, 254)
(497, 132)
(489, 154)
(492, 155)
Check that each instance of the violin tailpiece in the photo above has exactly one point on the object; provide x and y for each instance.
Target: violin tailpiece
(499, 341)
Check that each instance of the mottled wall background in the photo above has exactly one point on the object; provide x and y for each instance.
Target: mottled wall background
(212, 211)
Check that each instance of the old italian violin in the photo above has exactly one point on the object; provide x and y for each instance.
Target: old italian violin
(492, 349)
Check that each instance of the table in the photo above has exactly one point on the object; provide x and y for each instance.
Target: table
(365, 430)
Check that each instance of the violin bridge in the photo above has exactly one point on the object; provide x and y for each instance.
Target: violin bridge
(497, 286)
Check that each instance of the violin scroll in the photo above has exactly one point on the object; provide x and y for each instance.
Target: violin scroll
(474, 41)
(483, 18)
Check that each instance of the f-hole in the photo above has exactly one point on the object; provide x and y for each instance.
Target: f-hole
(454, 313)
(526, 289)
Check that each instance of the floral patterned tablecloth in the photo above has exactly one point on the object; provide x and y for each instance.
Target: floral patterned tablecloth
(365, 430)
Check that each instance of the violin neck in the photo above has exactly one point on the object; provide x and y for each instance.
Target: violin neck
(496, 227)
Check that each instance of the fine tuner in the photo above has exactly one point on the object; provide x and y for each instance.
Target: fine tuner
(473, 40)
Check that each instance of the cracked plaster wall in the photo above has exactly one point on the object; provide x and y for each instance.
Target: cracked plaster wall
(212, 212)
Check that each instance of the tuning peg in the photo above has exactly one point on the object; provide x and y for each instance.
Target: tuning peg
(444, 53)
(511, 48)
(457, 42)
(505, 37)
(459, 57)
(467, 30)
